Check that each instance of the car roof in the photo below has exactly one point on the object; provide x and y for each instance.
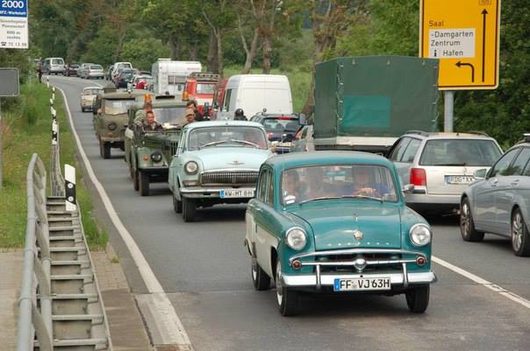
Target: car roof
(301, 159)
(448, 135)
(125, 94)
(223, 123)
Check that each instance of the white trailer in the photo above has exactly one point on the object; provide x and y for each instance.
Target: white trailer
(169, 77)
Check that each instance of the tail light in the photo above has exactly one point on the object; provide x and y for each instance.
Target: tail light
(418, 177)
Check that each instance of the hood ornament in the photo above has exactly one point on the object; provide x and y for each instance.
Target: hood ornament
(235, 163)
(358, 235)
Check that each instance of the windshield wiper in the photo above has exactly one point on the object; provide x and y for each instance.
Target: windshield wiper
(213, 143)
(318, 198)
(450, 164)
(246, 142)
(363, 197)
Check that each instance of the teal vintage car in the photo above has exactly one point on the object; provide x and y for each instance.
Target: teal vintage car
(336, 221)
(216, 162)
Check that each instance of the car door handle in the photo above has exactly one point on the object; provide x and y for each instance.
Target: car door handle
(494, 181)
(515, 182)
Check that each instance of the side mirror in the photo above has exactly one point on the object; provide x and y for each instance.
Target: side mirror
(302, 119)
(480, 173)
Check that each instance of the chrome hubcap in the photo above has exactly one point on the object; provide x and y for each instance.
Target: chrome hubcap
(517, 231)
(254, 269)
(464, 218)
(279, 292)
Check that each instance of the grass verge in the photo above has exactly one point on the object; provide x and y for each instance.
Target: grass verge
(27, 130)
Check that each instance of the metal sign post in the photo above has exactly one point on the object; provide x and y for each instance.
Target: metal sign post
(9, 87)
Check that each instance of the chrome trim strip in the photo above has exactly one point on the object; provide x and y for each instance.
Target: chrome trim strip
(328, 280)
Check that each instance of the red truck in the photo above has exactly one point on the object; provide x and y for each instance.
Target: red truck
(201, 87)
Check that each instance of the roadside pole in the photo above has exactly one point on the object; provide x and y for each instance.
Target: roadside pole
(1, 147)
(9, 87)
(449, 98)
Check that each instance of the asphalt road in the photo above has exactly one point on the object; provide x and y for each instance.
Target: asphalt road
(205, 270)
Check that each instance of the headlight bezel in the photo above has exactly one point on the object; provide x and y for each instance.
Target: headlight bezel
(296, 238)
(191, 167)
(156, 156)
(112, 126)
(420, 235)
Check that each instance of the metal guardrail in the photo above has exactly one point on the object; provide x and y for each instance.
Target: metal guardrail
(33, 319)
(60, 305)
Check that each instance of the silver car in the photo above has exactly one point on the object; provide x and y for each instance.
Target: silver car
(500, 202)
(437, 167)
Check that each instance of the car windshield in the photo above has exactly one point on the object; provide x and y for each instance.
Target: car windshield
(57, 62)
(306, 184)
(281, 124)
(459, 152)
(91, 91)
(206, 88)
(171, 115)
(226, 136)
(116, 107)
(96, 67)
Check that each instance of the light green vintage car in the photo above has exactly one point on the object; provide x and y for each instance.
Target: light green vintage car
(336, 222)
(216, 162)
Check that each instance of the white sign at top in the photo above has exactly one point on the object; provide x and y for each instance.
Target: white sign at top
(452, 43)
(14, 24)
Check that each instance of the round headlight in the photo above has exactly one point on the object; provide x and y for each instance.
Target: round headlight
(296, 238)
(191, 167)
(112, 126)
(156, 156)
(420, 234)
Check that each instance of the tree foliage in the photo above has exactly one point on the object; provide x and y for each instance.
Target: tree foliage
(295, 34)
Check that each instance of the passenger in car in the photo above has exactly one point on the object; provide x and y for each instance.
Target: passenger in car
(364, 183)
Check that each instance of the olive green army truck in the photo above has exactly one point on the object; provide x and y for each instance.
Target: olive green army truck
(110, 117)
(148, 154)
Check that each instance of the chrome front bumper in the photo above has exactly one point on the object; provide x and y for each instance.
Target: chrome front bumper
(209, 193)
(318, 279)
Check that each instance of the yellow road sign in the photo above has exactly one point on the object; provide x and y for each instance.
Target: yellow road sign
(464, 36)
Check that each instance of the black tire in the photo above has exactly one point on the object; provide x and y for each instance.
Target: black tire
(144, 183)
(104, 149)
(189, 208)
(260, 279)
(287, 298)
(136, 182)
(467, 226)
(520, 235)
(177, 205)
(418, 298)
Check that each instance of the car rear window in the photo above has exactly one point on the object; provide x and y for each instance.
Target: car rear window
(281, 124)
(96, 67)
(459, 152)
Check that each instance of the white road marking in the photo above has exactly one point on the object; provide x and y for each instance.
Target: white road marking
(170, 327)
(487, 284)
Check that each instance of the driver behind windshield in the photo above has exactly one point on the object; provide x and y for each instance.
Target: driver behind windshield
(149, 123)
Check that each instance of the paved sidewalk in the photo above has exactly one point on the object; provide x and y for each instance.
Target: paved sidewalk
(125, 322)
(10, 279)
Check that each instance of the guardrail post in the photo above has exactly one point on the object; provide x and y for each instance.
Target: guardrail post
(69, 185)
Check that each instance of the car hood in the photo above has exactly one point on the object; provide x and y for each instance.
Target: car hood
(334, 227)
(230, 157)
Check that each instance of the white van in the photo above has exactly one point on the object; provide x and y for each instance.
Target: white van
(54, 65)
(169, 76)
(255, 92)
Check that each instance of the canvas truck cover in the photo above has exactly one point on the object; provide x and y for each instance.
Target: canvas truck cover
(375, 96)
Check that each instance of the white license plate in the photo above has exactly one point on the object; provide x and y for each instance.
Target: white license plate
(361, 284)
(235, 193)
(459, 179)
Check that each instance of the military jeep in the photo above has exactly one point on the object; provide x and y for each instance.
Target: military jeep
(110, 117)
(148, 154)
